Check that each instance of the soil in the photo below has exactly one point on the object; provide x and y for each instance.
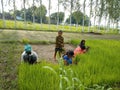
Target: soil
(46, 52)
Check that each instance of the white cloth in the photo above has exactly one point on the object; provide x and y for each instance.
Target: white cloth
(32, 53)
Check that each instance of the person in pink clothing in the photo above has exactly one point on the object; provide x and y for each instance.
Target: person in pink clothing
(81, 48)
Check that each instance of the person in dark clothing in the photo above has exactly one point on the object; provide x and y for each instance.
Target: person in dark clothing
(59, 44)
(29, 56)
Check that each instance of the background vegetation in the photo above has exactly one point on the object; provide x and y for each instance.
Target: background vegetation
(46, 27)
(81, 12)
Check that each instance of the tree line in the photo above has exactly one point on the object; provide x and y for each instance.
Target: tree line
(108, 10)
(40, 13)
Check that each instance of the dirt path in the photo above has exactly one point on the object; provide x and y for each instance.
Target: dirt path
(46, 52)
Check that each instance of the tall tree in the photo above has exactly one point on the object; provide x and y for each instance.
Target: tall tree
(14, 2)
(84, 5)
(34, 8)
(90, 14)
(77, 12)
(54, 16)
(41, 10)
(14, 14)
(64, 3)
(95, 12)
(41, 14)
(3, 14)
(24, 5)
(58, 15)
(77, 17)
(71, 8)
(100, 13)
(49, 13)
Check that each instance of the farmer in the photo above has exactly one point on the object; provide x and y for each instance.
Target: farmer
(81, 48)
(59, 44)
(68, 57)
(29, 55)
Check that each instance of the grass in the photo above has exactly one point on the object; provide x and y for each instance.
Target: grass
(9, 61)
(101, 63)
(42, 37)
(99, 66)
(45, 27)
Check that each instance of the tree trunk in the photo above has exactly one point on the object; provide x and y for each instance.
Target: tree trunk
(89, 25)
(94, 23)
(96, 6)
(91, 1)
(99, 21)
(58, 16)
(14, 14)
(77, 26)
(105, 24)
(49, 13)
(3, 14)
(40, 14)
(108, 24)
(83, 16)
(71, 6)
(33, 13)
(63, 21)
(24, 1)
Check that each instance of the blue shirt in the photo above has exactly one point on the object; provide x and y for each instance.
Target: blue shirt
(69, 60)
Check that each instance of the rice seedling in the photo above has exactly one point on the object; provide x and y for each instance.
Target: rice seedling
(98, 69)
(67, 75)
(45, 27)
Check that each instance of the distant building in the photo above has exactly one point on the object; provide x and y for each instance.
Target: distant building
(19, 18)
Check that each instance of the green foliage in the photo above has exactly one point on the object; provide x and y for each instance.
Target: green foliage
(39, 12)
(77, 18)
(113, 9)
(75, 42)
(25, 41)
(54, 17)
(100, 65)
(42, 79)
(45, 27)
(9, 62)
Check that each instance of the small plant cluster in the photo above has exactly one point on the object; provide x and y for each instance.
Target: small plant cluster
(25, 41)
(66, 76)
(73, 83)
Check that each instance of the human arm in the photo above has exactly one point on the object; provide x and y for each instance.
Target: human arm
(22, 59)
